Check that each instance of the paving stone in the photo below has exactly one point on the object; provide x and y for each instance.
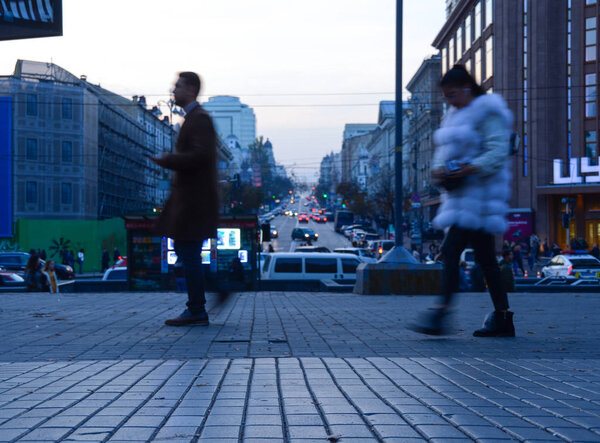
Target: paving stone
(262, 431)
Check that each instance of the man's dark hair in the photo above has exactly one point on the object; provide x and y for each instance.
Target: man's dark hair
(506, 253)
(191, 79)
(459, 77)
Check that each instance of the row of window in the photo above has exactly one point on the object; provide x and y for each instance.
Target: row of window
(591, 39)
(66, 107)
(66, 150)
(31, 192)
(467, 33)
(314, 265)
(591, 144)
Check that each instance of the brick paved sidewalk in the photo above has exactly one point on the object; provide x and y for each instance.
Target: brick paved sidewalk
(294, 366)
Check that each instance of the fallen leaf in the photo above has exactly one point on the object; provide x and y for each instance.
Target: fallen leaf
(333, 437)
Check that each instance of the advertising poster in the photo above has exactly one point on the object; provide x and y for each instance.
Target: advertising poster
(520, 226)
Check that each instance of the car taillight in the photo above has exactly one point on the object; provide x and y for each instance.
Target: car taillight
(325, 219)
(381, 250)
(570, 272)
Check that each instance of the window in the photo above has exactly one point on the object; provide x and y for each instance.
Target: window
(444, 60)
(288, 265)
(321, 266)
(66, 193)
(590, 2)
(478, 66)
(591, 144)
(489, 57)
(31, 104)
(459, 43)
(31, 192)
(32, 151)
(590, 39)
(349, 265)
(591, 94)
(67, 152)
(468, 66)
(468, 33)
(489, 12)
(451, 56)
(67, 108)
(477, 22)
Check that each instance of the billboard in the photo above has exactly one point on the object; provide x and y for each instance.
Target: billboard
(30, 18)
(520, 225)
(5, 167)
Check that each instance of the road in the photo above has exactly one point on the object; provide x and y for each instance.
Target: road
(285, 224)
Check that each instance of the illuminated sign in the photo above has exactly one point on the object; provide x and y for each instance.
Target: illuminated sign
(243, 255)
(577, 167)
(228, 238)
(29, 19)
(172, 255)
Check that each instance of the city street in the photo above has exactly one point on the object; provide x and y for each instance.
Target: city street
(295, 367)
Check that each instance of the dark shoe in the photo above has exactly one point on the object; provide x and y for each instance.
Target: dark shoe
(431, 323)
(186, 318)
(497, 324)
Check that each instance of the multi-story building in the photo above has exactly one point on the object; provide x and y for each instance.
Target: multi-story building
(542, 56)
(354, 155)
(424, 115)
(381, 149)
(77, 152)
(232, 117)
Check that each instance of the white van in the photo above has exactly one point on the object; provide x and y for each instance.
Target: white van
(309, 266)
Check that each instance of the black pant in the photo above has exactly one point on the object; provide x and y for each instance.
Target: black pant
(189, 252)
(454, 244)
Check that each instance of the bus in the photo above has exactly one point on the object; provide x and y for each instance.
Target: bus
(343, 218)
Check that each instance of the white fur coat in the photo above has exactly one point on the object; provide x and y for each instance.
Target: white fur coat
(482, 202)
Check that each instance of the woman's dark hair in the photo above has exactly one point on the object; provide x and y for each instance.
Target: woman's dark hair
(32, 262)
(459, 77)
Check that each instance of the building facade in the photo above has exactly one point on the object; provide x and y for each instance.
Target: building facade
(542, 56)
(354, 155)
(232, 117)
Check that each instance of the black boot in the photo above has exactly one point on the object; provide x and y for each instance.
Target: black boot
(431, 323)
(497, 324)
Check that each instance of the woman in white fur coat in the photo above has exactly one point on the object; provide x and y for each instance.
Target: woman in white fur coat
(471, 164)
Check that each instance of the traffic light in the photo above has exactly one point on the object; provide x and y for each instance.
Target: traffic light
(313, 188)
(290, 191)
(324, 195)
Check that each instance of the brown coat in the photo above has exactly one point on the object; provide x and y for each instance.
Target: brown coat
(192, 210)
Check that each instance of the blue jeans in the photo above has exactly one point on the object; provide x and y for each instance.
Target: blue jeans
(189, 253)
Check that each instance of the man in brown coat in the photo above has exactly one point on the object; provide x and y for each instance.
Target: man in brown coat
(191, 212)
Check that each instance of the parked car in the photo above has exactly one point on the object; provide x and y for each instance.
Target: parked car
(115, 274)
(303, 218)
(304, 234)
(312, 249)
(347, 230)
(309, 266)
(364, 255)
(17, 261)
(8, 278)
(380, 247)
(571, 265)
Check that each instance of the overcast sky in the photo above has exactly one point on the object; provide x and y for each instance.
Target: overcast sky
(290, 61)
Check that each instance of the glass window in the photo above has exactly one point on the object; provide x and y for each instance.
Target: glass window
(468, 33)
(31, 104)
(468, 66)
(489, 12)
(477, 22)
(590, 54)
(591, 146)
(489, 57)
(67, 152)
(32, 151)
(321, 266)
(459, 43)
(31, 192)
(590, 2)
(451, 57)
(67, 108)
(590, 23)
(444, 60)
(349, 265)
(478, 66)
(288, 265)
(66, 193)
(590, 37)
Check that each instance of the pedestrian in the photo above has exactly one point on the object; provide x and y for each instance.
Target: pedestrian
(33, 273)
(270, 248)
(80, 260)
(191, 212)
(518, 259)
(506, 270)
(105, 260)
(547, 252)
(555, 250)
(43, 254)
(236, 270)
(534, 246)
(415, 254)
(530, 257)
(471, 164)
(463, 281)
(50, 281)
(116, 255)
(595, 252)
(72, 260)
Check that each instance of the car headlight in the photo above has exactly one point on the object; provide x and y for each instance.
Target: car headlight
(316, 235)
(306, 235)
(274, 232)
(69, 269)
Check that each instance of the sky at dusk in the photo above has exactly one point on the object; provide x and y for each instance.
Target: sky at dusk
(307, 68)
